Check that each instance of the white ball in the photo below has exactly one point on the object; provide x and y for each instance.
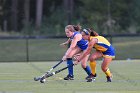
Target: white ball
(44, 80)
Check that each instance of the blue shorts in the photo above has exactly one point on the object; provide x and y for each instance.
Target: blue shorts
(110, 52)
(83, 47)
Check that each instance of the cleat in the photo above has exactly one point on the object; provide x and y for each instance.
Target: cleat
(69, 77)
(90, 78)
(109, 79)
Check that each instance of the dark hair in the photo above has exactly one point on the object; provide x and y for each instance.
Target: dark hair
(73, 28)
(90, 31)
(77, 27)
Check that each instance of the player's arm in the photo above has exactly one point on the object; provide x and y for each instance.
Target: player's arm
(65, 43)
(88, 50)
(73, 44)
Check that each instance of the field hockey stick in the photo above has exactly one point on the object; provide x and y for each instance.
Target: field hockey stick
(58, 71)
(55, 66)
(53, 73)
(38, 78)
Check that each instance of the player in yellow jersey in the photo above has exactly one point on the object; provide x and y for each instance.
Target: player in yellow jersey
(103, 49)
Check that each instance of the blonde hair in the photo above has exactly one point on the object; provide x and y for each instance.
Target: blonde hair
(73, 28)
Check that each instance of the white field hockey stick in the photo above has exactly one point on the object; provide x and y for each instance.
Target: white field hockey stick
(38, 78)
(42, 79)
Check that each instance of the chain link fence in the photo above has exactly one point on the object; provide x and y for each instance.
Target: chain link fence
(24, 49)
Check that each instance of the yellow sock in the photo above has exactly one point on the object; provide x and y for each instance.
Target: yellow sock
(93, 67)
(108, 73)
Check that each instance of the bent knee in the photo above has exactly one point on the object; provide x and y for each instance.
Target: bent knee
(104, 68)
(83, 65)
(92, 59)
(69, 56)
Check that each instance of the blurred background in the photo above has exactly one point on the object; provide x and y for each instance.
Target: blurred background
(31, 30)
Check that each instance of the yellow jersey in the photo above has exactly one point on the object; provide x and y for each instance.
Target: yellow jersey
(102, 43)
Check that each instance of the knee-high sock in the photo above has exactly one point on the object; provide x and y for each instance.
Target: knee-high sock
(93, 67)
(87, 69)
(108, 73)
(70, 69)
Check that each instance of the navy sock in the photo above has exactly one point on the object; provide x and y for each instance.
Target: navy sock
(70, 69)
(87, 69)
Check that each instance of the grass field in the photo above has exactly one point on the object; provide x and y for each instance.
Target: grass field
(18, 78)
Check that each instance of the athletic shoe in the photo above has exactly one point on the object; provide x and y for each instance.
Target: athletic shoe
(109, 79)
(69, 77)
(90, 78)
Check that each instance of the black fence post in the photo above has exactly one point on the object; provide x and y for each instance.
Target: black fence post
(27, 49)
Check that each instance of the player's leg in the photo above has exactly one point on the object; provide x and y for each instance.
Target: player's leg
(105, 68)
(90, 77)
(108, 56)
(92, 59)
(85, 66)
(70, 75)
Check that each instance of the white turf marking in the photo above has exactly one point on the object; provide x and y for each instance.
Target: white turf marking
(48, 80)
(15, 92)
(11, 73)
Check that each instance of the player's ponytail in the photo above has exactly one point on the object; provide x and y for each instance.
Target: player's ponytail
(90, 31)
(93, 33)
(77, 27)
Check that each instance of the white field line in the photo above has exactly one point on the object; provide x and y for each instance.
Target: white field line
(11, 73)
(51, 80)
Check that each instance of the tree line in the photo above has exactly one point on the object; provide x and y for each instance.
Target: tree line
(49, 17)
